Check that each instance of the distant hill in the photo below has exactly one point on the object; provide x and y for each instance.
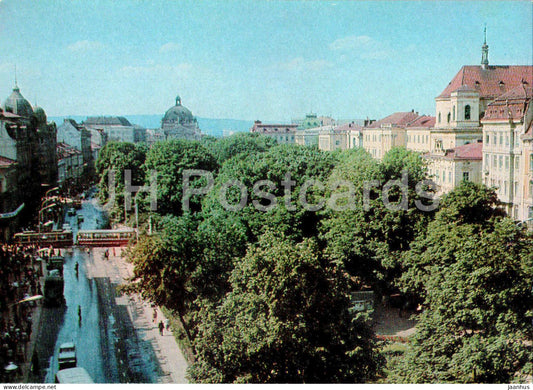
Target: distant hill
(210, 126)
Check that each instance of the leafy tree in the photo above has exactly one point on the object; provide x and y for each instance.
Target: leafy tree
(473, 270)
(301, 163)
(169, 159)
(249, 143)
(368, 238)
(286, 319)
(117, 157)
(466, 211)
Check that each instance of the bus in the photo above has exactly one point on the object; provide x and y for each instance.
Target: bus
(104, 238)
(75, 375)
(55, 238)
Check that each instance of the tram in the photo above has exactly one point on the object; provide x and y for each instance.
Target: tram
(104, 238)
(53, 289)
(54, 282)
(55, 238)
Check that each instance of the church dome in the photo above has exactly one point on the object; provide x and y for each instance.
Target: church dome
(178, 113)
(40, 115)
(16, 104)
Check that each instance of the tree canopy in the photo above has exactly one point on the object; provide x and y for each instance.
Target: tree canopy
(286, 319)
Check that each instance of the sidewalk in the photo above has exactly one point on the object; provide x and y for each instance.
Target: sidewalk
(172, 361)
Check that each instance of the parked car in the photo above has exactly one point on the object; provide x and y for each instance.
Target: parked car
(67, 356)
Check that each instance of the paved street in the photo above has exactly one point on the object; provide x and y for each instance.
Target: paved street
(115, 338)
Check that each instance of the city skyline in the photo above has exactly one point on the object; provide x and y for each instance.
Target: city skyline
(251, 60)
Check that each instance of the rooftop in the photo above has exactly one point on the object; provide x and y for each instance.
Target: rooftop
(398, 119)
(490, 82)
(107, 121)
(464, 152)
(511, 105)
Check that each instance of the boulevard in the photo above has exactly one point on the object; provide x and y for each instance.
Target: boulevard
(116, 342)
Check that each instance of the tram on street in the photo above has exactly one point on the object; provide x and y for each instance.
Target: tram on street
(55, 238)
(54, 282)
(105, 238)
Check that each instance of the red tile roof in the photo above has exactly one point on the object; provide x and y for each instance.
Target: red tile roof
(512, 104)
(464, 152)
(491, 82)
(64, 150)
(348, 126)
(6, 162)
(398, 119)
(423, 121)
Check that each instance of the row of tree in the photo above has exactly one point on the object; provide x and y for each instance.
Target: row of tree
(265, 295)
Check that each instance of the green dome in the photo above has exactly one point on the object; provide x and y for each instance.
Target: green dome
(40, 115)
(178, 114)
(17, 104)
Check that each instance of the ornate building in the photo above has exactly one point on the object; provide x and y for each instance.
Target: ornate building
(29, 142)
(179, 122)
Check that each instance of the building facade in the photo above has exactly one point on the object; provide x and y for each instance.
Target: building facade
(387, 133)
(70, 167)
(282, 133)
(116, 128)
(78, 136)
(449, 167)
(507, 149)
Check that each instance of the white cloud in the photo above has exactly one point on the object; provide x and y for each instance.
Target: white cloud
(85, 45)
(299, 64)
(170, 47)
(155, 70)
(362, 46)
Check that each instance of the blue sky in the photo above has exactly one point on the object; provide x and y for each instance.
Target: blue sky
(268, 60)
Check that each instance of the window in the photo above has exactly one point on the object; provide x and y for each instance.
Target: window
(501, 139)
(506, 140)
(439, 118)
(448, 117)
(449, 177)
(531, 163)
(466, 176)
(500, 165)
(467, 112)
(507, 162)
(494, 161)
(453, 112)
(487, 139)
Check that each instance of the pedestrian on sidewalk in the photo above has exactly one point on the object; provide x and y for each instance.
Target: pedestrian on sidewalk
(161, 327)
(167, 324)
